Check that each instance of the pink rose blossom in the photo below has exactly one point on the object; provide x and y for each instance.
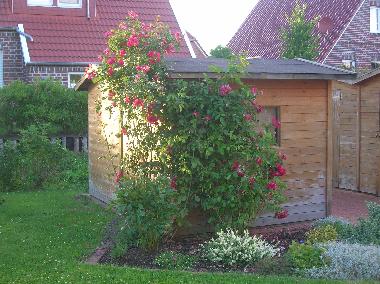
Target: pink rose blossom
(275, 122)
(138, 103)
(224, 90)
(248, 117)
(133, 41)
(272, 185)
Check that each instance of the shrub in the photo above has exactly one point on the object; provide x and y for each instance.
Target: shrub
(343, 227)
(367, 230)
(202, 136)
(35, 163)
(47, 101)
(322, 234)
(175, 261)
(149, 209)
(348, 262)
(232, 250)
(32, 162)
(303, 256)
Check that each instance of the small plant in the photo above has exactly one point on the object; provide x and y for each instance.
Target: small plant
(343, 227)
(348, 262)
(175, 261)
(232, 250)
(304, 256)
(322, 235)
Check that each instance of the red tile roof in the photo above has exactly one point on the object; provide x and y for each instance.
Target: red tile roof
(259, 34)
(71, 37)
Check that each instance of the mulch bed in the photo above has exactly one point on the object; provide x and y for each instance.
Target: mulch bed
(189, 245)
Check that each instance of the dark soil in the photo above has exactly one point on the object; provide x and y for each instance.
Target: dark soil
(190, 245)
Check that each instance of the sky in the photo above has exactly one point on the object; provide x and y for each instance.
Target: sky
(212, 22)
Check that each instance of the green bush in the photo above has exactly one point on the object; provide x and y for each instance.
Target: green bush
(322, 235)
(304, 256)
(274, 266)
(149, 208)
(230, 249)
(175, 261)
(35, 162)
(23, 105)
(367, 230)
(343, 227)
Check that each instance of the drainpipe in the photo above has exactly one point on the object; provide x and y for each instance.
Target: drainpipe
(88, 9)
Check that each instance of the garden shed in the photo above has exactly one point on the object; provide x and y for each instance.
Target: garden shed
(357, 135)
(297, 91)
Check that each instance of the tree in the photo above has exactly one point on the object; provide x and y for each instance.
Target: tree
(298, 38)
(221, 52)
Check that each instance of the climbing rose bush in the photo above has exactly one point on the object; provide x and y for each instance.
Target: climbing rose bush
(202, 136)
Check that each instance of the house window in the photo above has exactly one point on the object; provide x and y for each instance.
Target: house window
(267, 116)
(56, 3)
(40, 2)
(74, 78)
(1, 67)
(375, 19)
(69, 3)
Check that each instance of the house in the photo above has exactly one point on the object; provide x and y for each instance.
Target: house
(357, 133)
(348, 31)
(59, 38)
(297, 91)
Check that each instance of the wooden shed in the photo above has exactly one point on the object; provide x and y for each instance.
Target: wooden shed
(357, 134)
(298, 91)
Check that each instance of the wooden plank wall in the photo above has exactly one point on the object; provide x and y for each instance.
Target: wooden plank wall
(303, 111)
(370, 144)
(346, 135)
(102, 167)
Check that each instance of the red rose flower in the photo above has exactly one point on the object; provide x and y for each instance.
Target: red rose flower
(207, 118)
(124, 131)
(111, 60)
(235, 166)
(224, 90)
(251, 181)
(122, 52)
(248, 117)
(259, 161)
(127, 100)
(240, 173)
(152, 119)
(118, 176)
(272, 185)
(282, 214)
(133, 41)
(138, 103)
(110, 71)
(173, 183)
(275, 122)
(143, 68)
(254, 90)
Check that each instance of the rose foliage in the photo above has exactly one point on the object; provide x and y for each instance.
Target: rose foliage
(198, 138)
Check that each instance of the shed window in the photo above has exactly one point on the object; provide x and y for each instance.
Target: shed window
(375, 19)
(267, 116)
(74, 79)
(1, 67)
(55, 3)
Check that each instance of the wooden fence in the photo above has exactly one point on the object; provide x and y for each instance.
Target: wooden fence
(74, 143)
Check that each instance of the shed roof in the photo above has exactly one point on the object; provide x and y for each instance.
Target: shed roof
(188, 68)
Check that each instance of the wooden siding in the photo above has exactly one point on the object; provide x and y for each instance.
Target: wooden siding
(102, 167)
(358, 162)
(303, 107)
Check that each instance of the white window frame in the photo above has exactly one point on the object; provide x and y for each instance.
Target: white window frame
(69, 83)
(65, 5)
(1, 66)
(41, 3)
(374, 20)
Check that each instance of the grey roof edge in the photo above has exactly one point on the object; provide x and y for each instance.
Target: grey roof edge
(366, 76)
(326, 66)
(9, 29)
(46, 63)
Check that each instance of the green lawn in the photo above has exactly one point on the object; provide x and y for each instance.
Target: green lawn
(45, 236)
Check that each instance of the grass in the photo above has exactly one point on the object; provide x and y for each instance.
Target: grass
(45, 236)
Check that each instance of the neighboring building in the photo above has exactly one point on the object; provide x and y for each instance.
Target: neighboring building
(348, 31)
(198, 49)
(59, 38)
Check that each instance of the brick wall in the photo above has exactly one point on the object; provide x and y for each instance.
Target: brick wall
(357, 38)
(59, 73)
(12, 56)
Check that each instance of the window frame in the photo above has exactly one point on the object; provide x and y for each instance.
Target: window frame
(277, 113)
(39, 3)
(1, 66)
(66, 5)
(69, 85)
(374, 16)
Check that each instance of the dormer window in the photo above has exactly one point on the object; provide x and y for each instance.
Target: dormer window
(375, 18)
(56, 3)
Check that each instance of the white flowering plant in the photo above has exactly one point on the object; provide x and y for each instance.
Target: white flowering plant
(234, 250)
